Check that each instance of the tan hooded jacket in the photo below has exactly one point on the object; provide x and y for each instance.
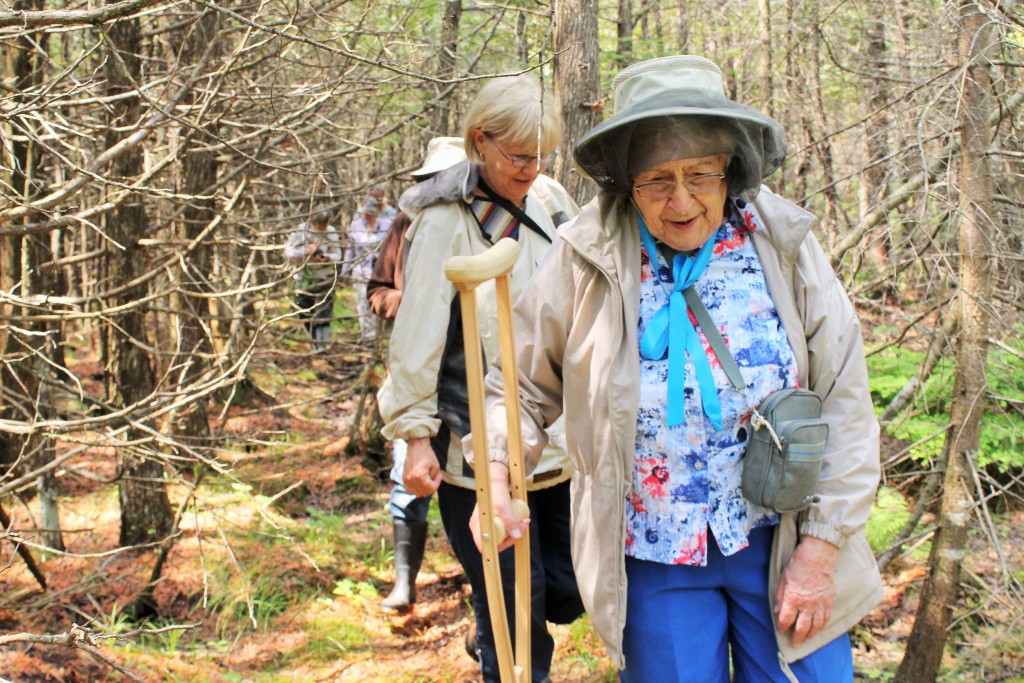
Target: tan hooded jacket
(427, 382)
(576, 335)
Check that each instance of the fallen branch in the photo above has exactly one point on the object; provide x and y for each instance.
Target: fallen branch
(77, 638)
(936, 351)
(81, 638)
(925, 495)
(355, 440)
(30, 562)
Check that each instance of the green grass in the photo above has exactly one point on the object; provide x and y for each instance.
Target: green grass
(251, 605)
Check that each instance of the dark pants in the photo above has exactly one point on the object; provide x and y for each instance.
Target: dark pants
(553, 583)
(316, 308)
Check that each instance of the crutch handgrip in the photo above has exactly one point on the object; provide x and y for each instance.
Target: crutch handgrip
(496, 261)
(521, 511)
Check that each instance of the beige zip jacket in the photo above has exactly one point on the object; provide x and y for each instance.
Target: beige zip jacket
(426, 384)
(576, 335)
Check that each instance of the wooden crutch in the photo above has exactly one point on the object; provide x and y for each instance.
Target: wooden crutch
(468, 272)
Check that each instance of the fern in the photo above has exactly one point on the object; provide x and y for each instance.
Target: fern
(888, 515)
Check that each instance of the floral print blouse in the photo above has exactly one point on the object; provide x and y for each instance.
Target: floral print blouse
(686, 478)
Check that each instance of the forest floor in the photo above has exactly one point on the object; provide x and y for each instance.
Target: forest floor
(282, 561)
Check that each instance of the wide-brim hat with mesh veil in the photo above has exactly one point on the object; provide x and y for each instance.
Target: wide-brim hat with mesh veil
(678, 103)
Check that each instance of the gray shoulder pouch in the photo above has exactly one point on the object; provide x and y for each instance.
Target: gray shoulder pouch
(785, 451)
(784, 454)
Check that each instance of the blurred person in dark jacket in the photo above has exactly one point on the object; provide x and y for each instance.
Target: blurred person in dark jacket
(384, 293)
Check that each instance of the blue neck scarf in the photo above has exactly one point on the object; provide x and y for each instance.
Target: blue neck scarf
(671, 330)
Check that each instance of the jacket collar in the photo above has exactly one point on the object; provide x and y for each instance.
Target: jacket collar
(608, 220)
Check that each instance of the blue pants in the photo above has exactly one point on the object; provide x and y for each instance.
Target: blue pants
(555, 597)
(683, 622)
(403, 504)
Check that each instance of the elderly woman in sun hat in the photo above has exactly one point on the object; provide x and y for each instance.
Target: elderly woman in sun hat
(683, 576)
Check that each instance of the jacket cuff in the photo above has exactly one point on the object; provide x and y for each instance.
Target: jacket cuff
(823, 530)
(496, 453)
(406, 432)
(499, 455)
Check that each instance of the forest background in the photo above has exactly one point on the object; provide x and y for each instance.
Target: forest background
(188, 494)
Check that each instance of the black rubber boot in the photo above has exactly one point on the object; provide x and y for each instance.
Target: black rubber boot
(410, 542)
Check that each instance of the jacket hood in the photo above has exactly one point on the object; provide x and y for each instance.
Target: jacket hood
(596, 231)
(786, 224)
(455, 183)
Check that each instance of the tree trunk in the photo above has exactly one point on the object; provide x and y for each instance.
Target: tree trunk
(624, 30)
(767, 59)
(824, 147)
(446, 62)
(199, 171)
(683, 27)
(146, 514)
(17, 68)
(938, 596)
(872, 187)
(577, 86)
(800, 130)
(23, 272)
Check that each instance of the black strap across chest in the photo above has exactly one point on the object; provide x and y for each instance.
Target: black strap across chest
(518, 213)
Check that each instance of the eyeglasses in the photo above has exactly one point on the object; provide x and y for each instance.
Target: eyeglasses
(522, 160)
(660, 190)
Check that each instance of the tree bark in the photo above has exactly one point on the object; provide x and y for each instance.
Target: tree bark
(146, 514)
(824, 147)
(24, 273)
(19, 67)
(577, 86)
(624, 32)
(683, 27)
(801, 128)
(938, 596)
(199, 177)
(767, 58)
(872, 187)
(446, 62)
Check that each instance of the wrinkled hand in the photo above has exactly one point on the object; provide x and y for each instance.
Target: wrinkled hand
(501, 499)
(422, 472)
(807, 589)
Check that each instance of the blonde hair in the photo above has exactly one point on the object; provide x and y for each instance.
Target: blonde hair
(512, 109)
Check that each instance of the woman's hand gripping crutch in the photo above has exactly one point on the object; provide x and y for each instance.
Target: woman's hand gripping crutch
(467, 272)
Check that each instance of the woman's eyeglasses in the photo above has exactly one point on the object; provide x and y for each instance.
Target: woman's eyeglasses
(522, 160)
(660, 190)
